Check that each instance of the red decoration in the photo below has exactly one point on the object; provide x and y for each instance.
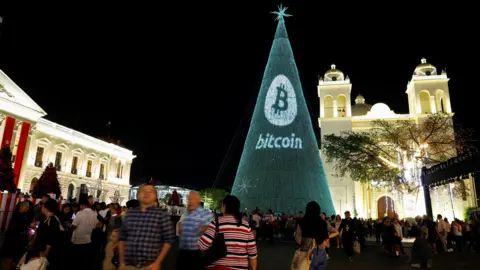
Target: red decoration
(22, 143)
(174, 199)
(8, 132)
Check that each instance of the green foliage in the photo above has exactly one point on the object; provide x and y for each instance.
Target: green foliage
(358, 154)
(466, 213)
(212, 196)
(166, 198)
(384, 153)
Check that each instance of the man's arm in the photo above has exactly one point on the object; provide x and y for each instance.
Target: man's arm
(77, 220)
(169, 238)
(121, 253)
(206, 221)
(121, 244)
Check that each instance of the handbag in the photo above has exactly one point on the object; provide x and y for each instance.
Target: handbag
(218, 249)
(356, 247)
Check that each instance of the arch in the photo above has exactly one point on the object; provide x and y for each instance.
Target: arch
(342, 105)
(385, 206)
(440, 101)
(33, 184)
(425, 102)
(70, 192)
(328, 106)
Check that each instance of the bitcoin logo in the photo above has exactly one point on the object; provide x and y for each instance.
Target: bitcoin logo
(281, 102)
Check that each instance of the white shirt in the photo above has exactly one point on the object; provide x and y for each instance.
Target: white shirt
(103, 213)
(85, 221)
(257, 218)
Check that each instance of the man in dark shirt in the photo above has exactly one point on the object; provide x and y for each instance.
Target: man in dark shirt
(347, 230)
(146, 235)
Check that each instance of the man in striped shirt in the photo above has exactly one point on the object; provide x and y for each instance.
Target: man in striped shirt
(192, 225)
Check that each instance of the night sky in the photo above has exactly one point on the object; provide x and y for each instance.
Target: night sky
(178, 81)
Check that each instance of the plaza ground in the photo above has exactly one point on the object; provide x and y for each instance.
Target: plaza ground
(278, 256)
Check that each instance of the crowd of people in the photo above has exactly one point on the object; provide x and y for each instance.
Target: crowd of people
(141, 234)
(42, 234)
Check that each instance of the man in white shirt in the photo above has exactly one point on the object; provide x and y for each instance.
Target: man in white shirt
(82, 226)
(442, 231)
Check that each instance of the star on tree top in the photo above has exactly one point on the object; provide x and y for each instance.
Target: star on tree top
(281, 13)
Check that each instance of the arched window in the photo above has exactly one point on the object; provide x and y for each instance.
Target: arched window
(328, 106)
(440, 101)
(33, 184)
(342, 106)
(71, 190)
(425, 102)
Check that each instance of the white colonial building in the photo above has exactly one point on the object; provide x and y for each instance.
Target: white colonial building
(79, 159)
(427, 93)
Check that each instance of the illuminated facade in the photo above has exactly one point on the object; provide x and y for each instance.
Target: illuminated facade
(427, 93)
(79, 159)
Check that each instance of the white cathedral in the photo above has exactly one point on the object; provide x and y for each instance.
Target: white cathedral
(427, 93)
(103, 167)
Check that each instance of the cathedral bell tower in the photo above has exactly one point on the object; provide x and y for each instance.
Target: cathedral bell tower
(335, 117)
(428, 91)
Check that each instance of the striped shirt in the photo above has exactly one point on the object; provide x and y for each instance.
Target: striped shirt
(239, 240)
(191, 224)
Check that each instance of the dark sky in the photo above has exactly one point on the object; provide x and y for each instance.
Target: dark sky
(177, 79)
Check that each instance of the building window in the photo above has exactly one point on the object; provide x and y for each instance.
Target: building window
(58, 161)
(74, 165)
(119, 169)
(89, 168)
(102, 172)
(39, 157)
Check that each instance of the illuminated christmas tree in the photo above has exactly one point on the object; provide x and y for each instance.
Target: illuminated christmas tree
(280, 167)
(48, 183)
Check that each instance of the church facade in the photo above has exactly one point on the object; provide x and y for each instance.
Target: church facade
(79, 159)
(427, 93)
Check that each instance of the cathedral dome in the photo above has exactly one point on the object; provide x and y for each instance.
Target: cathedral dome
(380, 110)
(334, 74)
(360, 107)
(425, 69)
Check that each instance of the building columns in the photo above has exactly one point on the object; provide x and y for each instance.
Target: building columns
(22, 145)
(335, 108)
(433, 107)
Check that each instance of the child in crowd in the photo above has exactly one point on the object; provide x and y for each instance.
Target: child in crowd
(111, 251)
(33, 261)
(421, 250)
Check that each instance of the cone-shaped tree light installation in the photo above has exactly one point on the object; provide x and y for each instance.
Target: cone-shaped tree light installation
(280, 167)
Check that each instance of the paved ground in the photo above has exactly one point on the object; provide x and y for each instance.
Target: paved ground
(278, 256)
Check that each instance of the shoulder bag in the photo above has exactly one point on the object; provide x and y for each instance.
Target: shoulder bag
(218, 249)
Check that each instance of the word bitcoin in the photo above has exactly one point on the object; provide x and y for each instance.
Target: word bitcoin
(270, 141)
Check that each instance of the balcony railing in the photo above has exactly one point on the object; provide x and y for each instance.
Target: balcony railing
(74, 171)
(58, 167)
(38, 163)
(89, 174)
(102, 177)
